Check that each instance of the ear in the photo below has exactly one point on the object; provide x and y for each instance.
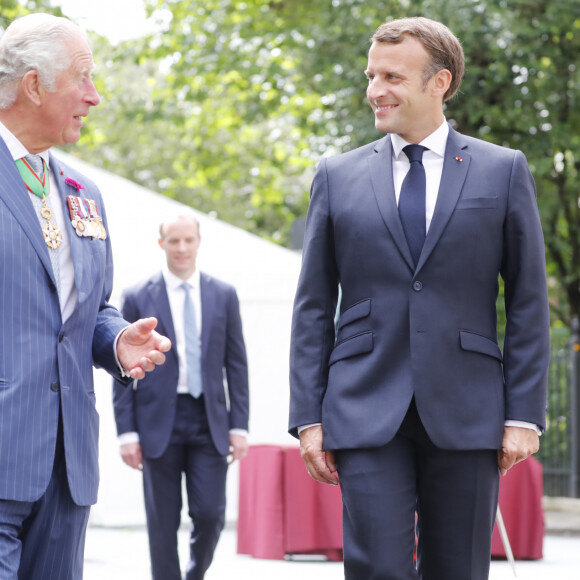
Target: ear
(32, 88)
(160, 242)
(440, 82)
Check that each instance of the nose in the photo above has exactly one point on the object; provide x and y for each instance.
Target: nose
(375, 89)
(92, 96)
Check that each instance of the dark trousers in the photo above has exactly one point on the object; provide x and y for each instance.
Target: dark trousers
(190, 452)
(44, 539)
(455, 496)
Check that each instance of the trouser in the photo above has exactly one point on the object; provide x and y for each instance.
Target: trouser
(453, 493)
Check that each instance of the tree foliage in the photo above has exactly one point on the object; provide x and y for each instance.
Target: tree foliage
(230, 103)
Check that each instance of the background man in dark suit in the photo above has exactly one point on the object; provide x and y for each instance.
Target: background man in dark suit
(166, 425)
(55, 319)
(413, 401)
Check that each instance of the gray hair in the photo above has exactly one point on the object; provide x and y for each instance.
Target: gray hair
(34, 42)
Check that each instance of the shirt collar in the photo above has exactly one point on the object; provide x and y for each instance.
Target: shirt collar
(16, 148)
(436, 142)
(173, 282)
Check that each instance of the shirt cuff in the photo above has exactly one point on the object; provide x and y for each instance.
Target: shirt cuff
(303, 427)
(123, 372)
(241, 432)
(523, 424)
(129, 437)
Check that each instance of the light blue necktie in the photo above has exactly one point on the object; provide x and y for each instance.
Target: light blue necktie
(412, 201)
(192, 350)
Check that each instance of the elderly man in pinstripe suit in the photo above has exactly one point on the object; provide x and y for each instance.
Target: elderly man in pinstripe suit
(55, 319)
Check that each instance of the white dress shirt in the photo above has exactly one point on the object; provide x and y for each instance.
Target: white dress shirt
(67, 289)
(432, 162)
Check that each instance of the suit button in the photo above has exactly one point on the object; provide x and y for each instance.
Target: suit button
(61, 337)
(55, 387)
(417, 286)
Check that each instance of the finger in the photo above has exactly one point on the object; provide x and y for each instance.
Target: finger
(146, 364)
(137, 373)
(164, 344)
(156, 357)
(319, 470)
(329, 457)
(146, 325)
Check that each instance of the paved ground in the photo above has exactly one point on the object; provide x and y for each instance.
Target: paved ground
(121, 554)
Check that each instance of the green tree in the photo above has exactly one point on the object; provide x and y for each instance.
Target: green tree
(231, 103)
(11, 9)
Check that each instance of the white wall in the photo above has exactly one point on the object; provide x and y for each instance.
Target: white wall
(265, 277)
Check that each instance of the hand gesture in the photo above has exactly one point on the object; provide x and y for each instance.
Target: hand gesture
(140, 348)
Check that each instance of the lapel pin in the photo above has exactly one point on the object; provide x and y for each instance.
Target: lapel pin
(460, 159)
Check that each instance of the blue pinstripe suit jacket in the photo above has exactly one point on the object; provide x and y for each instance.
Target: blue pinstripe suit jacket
(39, 350)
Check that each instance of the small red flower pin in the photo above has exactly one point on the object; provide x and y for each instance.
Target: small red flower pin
(460, 159)
(73, 183)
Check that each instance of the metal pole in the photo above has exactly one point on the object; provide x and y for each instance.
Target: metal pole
(505, 540)
(575, 408)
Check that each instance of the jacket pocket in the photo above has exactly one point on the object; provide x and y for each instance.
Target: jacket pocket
(355, 312)
(352, 346)
(479, 343)
(477, 203)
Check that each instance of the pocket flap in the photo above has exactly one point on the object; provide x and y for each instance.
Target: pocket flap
(357, 344)
(355, 312)
(479, 343)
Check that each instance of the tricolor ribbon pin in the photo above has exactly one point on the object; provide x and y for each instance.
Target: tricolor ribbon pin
(460, 159)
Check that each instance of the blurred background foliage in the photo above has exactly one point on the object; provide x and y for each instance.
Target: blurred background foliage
(229, 104)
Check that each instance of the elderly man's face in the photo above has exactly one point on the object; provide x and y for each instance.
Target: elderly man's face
(63, 110)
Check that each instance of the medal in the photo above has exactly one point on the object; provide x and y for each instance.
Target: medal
(41, 188)
(84, 216)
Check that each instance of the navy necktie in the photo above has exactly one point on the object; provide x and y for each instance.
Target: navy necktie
(192, 350)
(412, 201)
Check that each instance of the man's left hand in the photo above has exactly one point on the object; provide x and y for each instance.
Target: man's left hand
(140, 348)
(238, 446)
(518, 443)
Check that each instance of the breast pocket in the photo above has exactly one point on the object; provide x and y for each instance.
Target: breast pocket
(477, 203)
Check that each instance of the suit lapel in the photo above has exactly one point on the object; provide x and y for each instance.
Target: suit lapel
(381, 170)
(16, 198)
(159, 297)
(82, 285)
(207, 311)
(455, 166)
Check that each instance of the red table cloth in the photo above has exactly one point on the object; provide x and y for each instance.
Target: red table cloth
(283, 511)
(520, 501)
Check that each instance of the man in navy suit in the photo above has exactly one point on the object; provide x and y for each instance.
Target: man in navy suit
(167, 427)
(410, 401)
(55, 319)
